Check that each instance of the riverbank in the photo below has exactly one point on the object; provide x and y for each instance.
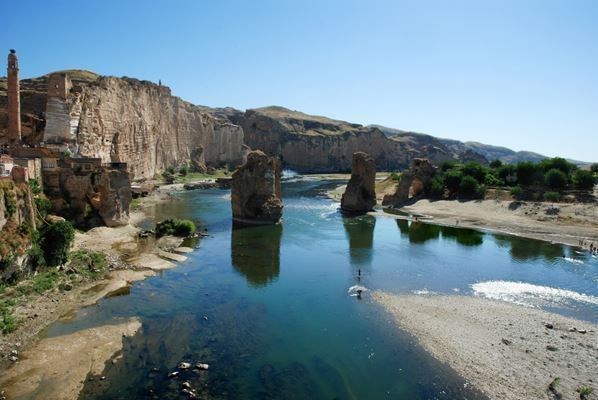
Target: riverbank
(507, 351)
(32, 362)
(572, 222)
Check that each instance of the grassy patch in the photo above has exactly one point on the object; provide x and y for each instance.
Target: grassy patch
(198, 176)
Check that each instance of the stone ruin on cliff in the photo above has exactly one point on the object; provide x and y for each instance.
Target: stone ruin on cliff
(415, 182)
(256, 196)
(360, 194)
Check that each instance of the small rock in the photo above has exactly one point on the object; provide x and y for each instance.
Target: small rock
(506, 341)
(184, 365)
(582, 331)
(173, 374)
(190, 393)
(551, 348)
(572, 329)
(186, 385)
(548, 325)
(13, 358)
(202, 366)
(102, 378)
(205, 317)
(14, 353)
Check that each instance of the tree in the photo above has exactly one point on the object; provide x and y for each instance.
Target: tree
(469, 187)
(496, 164)
(594, 168)
(476, 170)
(583, 179)
(452, 179)
(526, 173)
(557, 163)
(555, 179)
(55, 242)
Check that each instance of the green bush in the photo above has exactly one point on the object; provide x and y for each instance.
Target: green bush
(469, 187)
(507, 174)
(452, 180)
(35, 186)
(184, 170)
(516, 192)
(55, 242)
(170, 170)
(43, 205)
(10, 202)
(557, 163)
(594, 168)
(552, 196)
(176, 227)
(437, 187)
(8, 323)
(491, 180)
(477, 170)
(496, 164)
(91, 264)
(395, 176)
(583, 179)
(555, 179)
(528, 173)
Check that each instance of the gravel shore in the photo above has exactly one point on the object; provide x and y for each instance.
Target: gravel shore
(505, 350)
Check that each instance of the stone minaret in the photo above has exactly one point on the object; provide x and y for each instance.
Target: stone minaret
(14, 100)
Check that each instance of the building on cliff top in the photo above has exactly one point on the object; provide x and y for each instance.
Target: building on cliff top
(14, 100)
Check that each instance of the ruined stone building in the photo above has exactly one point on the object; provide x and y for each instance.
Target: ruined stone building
(14, 100)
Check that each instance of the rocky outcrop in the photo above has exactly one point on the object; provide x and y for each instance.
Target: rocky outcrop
(99, 198)
(17, 219)
(256, 196)
(125, 120)
(415, 182)
(360, 194)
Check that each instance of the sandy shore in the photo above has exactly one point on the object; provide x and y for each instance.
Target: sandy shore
(56, 368)
(507, 351)
(527, 219)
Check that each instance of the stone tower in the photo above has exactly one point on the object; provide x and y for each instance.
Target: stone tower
(14, 100)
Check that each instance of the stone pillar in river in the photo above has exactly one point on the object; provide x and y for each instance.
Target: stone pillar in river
(255, 192)
(360, 194)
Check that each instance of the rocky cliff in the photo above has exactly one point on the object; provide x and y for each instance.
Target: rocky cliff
(17, 218)
(126, 120)
(308, 143)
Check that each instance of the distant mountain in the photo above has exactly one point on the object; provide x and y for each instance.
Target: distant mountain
(489, 152)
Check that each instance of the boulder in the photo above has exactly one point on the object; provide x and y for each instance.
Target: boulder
(414, 182)
(255, 190)
(360, 194)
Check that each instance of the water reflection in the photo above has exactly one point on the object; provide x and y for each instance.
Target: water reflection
(463, 236)
(530, 249)
(255, 253)
(419, 232)
(360, 233)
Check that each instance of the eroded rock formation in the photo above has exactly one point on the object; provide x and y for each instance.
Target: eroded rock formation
(124, 120)
(105, 194)
(414, 182)
(256, 196)
(360, 194)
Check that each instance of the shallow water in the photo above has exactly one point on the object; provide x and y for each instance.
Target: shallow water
(268, 308)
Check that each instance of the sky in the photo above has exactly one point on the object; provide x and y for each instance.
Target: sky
(521, 74)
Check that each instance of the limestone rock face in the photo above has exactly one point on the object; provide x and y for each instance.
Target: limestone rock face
(360, 194)
(124, 120)
(140, 123)
(312, 144)
(107, 192)
(256, 192)
(414, 182)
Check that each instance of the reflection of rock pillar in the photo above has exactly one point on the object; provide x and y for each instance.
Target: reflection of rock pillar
(360, 232)
(14, 99)
(255, 253)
